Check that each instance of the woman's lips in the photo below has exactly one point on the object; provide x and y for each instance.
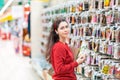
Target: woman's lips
(65, 33)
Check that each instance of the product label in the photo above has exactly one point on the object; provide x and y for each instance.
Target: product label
(105, 69)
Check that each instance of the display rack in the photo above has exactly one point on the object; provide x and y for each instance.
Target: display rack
(95, 30)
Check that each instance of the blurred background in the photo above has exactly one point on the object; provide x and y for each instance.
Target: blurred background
(21, 56)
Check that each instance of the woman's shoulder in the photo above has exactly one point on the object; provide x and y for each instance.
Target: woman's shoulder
(58, 45)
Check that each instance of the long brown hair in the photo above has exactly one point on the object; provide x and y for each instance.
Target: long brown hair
(53, 37)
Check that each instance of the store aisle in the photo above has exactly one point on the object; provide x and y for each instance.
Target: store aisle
(14, 66)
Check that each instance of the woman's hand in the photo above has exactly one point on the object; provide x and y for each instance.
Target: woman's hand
(81, 58)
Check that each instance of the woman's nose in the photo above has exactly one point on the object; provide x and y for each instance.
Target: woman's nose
(66, 29)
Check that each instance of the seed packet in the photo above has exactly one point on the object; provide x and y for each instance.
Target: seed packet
(116, 52)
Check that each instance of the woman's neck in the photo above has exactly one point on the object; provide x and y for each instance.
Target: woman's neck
(63, 40)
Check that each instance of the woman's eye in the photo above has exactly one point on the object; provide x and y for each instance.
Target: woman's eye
(62, 28)
(66, 26)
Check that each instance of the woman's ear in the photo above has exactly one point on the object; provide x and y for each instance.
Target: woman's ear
(56, 31)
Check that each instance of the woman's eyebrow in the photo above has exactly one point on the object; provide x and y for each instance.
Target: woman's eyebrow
(64, 25)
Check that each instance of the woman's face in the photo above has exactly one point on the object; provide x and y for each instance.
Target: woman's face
(63, 30)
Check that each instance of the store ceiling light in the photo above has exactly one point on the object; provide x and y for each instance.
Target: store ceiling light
(6, 6)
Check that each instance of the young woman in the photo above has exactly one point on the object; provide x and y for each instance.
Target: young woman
(59, 54)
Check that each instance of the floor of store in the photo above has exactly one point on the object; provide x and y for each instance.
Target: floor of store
(14, 66)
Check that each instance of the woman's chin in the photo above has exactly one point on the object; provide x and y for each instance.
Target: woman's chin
(66, 36)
